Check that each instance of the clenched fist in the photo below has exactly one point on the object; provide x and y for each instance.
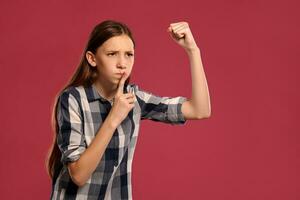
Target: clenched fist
(182, 35)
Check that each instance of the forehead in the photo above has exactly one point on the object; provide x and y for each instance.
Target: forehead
(122, 42)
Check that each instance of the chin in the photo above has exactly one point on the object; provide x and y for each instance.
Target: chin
(115, 81)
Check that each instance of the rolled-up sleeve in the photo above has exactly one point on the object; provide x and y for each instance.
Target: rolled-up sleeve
(70, 138)
(160, 108)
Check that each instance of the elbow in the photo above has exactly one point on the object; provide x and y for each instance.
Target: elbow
(208, 114)
(204, 115)
(201, 113)
(78, 181)
(75, 176)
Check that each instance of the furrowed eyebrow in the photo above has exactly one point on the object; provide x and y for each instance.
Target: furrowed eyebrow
(118, 51)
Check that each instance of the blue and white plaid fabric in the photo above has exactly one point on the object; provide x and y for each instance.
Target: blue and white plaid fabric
(81, 111)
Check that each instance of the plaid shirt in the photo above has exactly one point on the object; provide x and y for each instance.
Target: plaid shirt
(81, 111)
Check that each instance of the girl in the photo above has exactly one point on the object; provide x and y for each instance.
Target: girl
(97, 114)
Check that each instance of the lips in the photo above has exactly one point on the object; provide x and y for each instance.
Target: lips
(120, 74)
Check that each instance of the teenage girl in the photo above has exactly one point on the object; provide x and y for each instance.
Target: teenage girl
(96, 116)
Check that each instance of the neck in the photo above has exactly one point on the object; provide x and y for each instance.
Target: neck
(107, 91)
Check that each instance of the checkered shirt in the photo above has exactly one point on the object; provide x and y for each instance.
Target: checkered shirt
(81, 111)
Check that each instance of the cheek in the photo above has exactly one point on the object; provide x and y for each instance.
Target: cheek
(110, 65)
(106, 64)
(106, 69)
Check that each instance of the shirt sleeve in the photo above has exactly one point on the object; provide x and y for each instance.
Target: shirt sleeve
(160, 108)
(70, 138)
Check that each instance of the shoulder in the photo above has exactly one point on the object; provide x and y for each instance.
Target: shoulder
(132, 86)
(137, 88)
(141, 94)
(71, 93)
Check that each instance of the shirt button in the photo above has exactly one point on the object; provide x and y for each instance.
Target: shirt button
(116, 163)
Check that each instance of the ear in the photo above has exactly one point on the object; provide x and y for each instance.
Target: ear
(91, 58)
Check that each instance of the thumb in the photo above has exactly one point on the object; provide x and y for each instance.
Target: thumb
(121, 84)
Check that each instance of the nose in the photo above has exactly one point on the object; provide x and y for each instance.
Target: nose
(121, 67)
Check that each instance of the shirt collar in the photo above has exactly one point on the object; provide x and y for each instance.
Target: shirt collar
(93, 95)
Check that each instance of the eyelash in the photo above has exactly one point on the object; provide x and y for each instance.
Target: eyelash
(114, 53)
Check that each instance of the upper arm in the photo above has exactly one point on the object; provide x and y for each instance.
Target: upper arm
(70, 137)
(160, 108)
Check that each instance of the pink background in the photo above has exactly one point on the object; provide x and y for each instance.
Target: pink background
(248, 148)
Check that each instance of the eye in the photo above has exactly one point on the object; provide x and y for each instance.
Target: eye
(130, 54)
(111, 54)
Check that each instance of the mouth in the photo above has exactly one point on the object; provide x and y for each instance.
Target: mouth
(119, 73)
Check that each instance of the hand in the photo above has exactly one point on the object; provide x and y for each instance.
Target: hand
(123, 103)
(182, 35)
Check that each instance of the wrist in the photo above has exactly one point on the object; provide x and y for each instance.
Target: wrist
(193, 49)
(111, 120)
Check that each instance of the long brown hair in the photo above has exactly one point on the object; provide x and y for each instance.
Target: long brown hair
(84, 75)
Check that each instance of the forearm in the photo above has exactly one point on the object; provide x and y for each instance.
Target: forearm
(200, 99)
(82, 169)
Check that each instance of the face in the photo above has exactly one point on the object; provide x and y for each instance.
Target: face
(113, 57)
